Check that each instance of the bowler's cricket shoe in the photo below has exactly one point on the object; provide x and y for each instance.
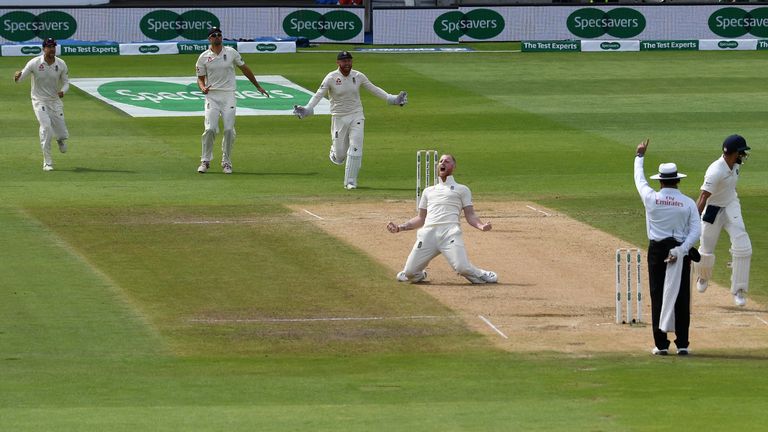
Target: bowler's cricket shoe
(203, 168)
(401, 277)
(47, 167)
(659, 352)
(226, 167)
(485, 277)
(62, 145)
(350, 186)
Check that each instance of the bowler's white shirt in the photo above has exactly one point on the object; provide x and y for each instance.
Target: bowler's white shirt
(445, 201)
(219, 69)
(344, 92)
(668, 212)
(47, 80)
(720, 181)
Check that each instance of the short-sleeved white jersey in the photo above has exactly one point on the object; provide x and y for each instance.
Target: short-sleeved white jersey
(445, 201)
(344, 92)
(219, 69)
(47, 80)
(720, 181)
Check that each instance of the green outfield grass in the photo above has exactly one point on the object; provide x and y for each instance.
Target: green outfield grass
(139, 295)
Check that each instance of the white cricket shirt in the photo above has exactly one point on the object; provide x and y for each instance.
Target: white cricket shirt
(219, 69)
(720, 181)
(668, 212)
(47, 80)
(344, 92)
(445, 201)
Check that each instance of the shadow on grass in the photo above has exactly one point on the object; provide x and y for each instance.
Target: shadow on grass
(94, 170)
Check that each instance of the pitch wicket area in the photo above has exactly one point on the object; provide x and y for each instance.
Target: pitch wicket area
(426, 169)
(626, 254)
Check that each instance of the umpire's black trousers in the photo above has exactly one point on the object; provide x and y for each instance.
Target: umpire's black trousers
(658, 251)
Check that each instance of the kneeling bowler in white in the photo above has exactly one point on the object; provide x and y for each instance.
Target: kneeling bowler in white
(440, 229)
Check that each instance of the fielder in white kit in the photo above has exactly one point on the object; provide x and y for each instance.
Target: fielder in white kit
(50, 81)
(440, 229)
(216, 78)
(347, 118)
(720, 208)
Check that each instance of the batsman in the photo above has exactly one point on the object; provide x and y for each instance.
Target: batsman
(440, 229)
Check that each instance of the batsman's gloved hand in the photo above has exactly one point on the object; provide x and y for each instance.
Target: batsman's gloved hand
(402, 98)
(302, 112)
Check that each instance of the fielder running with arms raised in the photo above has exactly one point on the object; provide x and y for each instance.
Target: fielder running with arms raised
(439, 212)
(347, 119)
(50, 81)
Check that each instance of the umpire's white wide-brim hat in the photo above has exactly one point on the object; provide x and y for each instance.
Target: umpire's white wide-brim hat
(668, 171)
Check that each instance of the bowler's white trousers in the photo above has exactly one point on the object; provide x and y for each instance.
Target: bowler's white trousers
(219, 104)
(433, 240)
(50, 115)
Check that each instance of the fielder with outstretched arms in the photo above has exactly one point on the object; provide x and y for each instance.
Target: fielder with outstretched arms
(720, 208)
(439, 228)
(50, 82)
(347, 120)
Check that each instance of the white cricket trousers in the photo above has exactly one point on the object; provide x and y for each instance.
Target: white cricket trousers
(347, 144)
(219, 104)
(443, 239)
(50, 115)
(729, 219)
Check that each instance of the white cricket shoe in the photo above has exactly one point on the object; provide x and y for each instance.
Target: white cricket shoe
(485, 277)
(740, 298)
(203, 168)
(47, 167)
(226, 167)
(333, 158)
(401, 277)
(350, 186)
(62, 145)
(682, 351)
(701, 285)
(659, 352)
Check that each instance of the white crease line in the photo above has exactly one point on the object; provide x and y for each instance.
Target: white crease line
(291, 320)
(312, 214)
(537, 210)
(761, 320)
(493, 326)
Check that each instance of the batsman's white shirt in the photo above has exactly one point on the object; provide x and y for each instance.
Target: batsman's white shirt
(47, 80)
(219, 69)
(668, 212)
(344, 92)
(720, 181)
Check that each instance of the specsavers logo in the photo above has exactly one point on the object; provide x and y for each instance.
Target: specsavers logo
(22, 26)
(733, 22)
(168, 96)
(338, 25)
(476, 24)
(591, 23)
(165, 25)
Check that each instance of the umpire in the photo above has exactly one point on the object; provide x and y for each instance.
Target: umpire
(672, 223)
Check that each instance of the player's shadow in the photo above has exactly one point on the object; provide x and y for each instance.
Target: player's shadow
(276, 174)
(384, 189)
(94, 170)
